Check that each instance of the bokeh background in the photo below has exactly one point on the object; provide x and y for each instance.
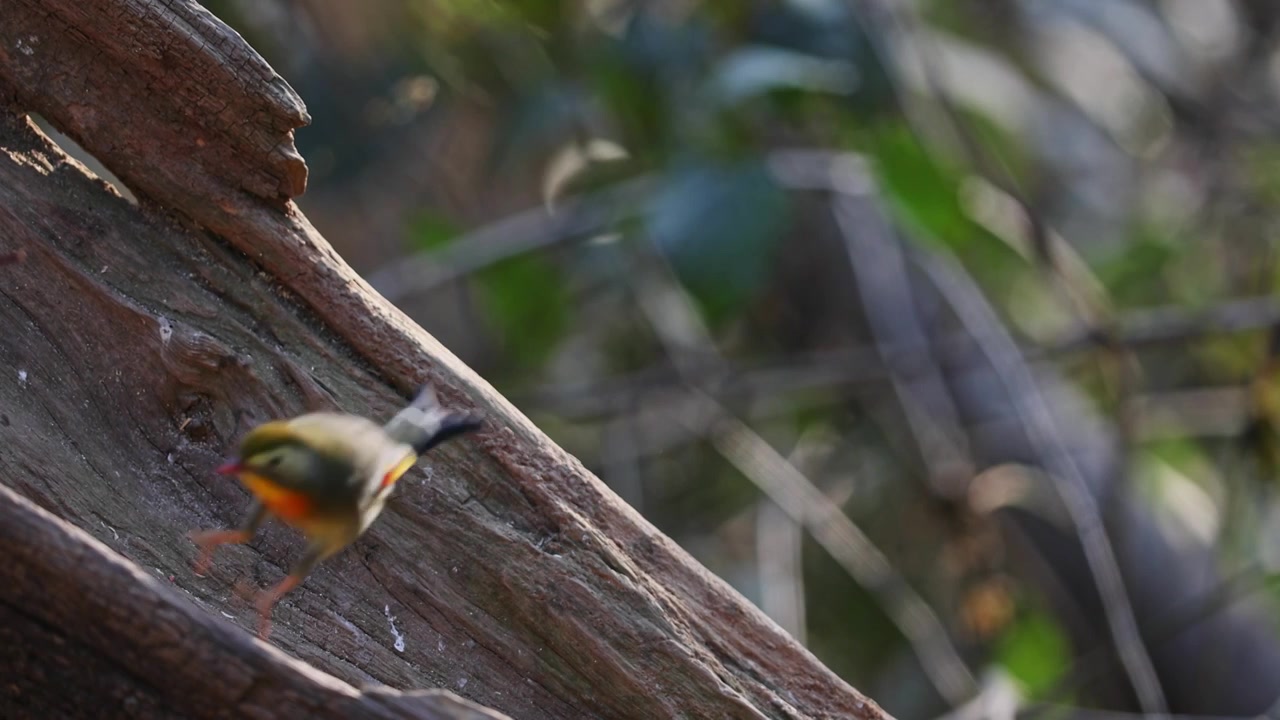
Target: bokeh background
(944, 330)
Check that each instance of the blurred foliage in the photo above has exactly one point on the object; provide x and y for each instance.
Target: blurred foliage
(529, 330)
(1086, 162)
(719, 226)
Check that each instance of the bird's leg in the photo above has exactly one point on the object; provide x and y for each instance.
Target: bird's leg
(209, 540)
(267, 600)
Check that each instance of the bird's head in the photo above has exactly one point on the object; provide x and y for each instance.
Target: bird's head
(274, 451)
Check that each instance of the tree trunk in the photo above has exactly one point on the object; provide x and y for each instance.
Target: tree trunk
(143, 340)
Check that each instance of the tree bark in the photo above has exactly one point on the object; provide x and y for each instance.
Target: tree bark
(142, 341)
(64, 592)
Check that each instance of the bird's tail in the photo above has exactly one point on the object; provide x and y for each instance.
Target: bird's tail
(424, 424)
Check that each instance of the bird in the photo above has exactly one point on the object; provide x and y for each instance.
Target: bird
(328, 475)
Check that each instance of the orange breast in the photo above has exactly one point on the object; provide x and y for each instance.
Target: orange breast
(288, 505)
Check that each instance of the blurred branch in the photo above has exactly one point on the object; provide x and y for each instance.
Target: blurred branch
(1257, 436)
(620, 458)
(787, 376)
(846, 178)
(848, 545)
(680, 329)
(1218, 412)
(779, 553)
(1098, 663)
(1067, 712)
(797, 170)
(998, 699)
(977, 316)
(1174, 324)
(1199, 412)
(1137, 328)
(862, 367)
(889, 304)
(1071, 282)
(655, 434)
(531, 230)
(900, 23)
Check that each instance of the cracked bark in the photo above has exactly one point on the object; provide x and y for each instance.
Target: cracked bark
(143, 340)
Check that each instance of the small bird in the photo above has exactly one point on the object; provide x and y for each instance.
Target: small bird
(328, 475)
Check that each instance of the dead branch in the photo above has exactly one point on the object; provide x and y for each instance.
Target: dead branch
(146, 339)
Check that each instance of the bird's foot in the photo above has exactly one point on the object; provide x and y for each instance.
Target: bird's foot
(208, 541)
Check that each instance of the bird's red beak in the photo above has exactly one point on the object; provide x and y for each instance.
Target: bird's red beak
(230, 467)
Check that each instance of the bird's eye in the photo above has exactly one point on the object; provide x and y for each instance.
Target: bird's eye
(274, 461)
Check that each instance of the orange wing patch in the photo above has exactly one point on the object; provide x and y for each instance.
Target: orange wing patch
(288, 505)
(400, 469)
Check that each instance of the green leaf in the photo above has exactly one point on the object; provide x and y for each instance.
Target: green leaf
(1134, 273)
(1035, 651)
(429, 230)
(923, 194)
(718, 225)
(923, 191)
